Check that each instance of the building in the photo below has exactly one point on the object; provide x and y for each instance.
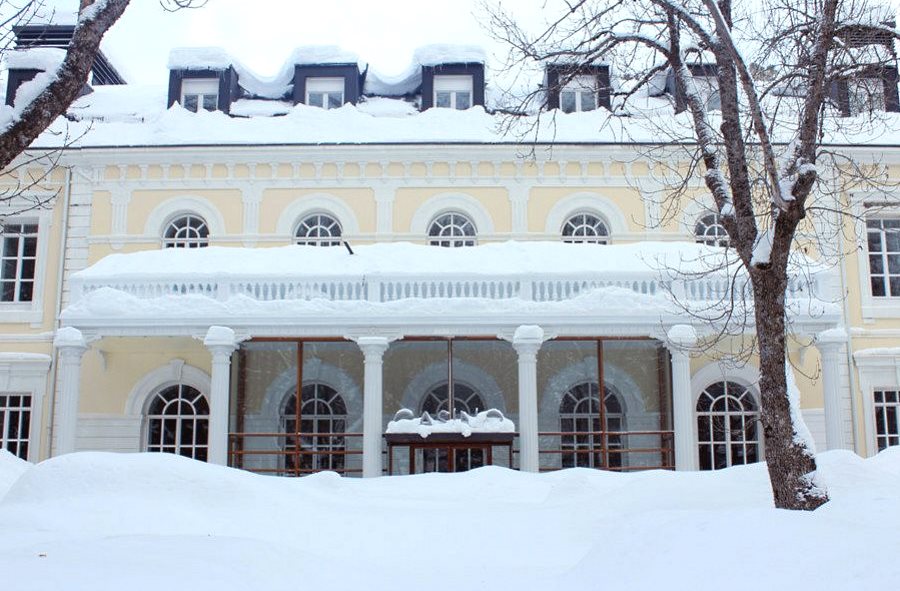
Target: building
(247, 271)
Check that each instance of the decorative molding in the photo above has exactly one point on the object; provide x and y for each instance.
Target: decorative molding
(586, 201)
(176, 371)
(317, 203)
(165, 211)
(447, 202)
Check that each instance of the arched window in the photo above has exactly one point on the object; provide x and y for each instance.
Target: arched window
(451, 229)
(318, 229)
(186, 231)
(710, 231)
(585, 443)
(465, 398)
(585, 228)
(727, 426)
(177, 422)
(321, 415)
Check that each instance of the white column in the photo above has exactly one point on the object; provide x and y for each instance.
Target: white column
(373, 349)
(70, 347)
(221, 344)
(831, 344)
(681, 338)
(527, 341)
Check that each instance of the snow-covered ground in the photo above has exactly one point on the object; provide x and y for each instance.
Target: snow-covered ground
(132, 522)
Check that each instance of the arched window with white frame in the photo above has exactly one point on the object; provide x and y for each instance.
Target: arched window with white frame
(318, 229)
(728, 431)
(710, 231)
(187, 230)
(452, 229)
(585, 228)
(177, 421)
(590, 437)
(315, 429)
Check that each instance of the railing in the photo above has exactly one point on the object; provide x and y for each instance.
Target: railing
(299, 454)
(618, 451)
(381, 288)
(296, 454)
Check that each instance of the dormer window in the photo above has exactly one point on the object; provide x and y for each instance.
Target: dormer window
(572, 88)
(865, 95)
(200, 93)
(453, 92)
(327, 93)
(579, 94)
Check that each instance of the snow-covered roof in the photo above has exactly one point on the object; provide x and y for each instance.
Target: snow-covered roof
(199, 58)
(34, 58)
(444, 53)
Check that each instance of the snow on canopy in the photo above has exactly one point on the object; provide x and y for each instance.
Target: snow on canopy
(623, 275)
(486, 421)
(490, 260)
(145, 522)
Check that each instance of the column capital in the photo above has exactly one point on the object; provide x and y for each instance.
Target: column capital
(831, 340)
(681, 338)
(220, 340)
(70, 339)
(528, 339)
(373, 346)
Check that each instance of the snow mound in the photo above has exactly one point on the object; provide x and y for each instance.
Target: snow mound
(146, 521)
(11, 469)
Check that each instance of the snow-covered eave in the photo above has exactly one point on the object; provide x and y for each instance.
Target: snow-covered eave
(315, 325)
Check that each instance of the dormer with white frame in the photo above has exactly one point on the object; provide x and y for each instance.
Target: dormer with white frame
(574, 88)
(202, 79)
(326, 77)
(452, 76)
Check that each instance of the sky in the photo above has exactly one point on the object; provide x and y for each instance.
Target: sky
(383, 32)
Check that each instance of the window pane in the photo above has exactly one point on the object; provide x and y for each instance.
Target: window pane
(588, 101)
(567, 101)
(442, 99)
(190, 102)
(335, 100)
(210, 102)
(874, 241)
(463, 100)
(878, 286)
(317, 99)
(892, 238)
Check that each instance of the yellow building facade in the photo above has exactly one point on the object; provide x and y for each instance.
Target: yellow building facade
(318, 303)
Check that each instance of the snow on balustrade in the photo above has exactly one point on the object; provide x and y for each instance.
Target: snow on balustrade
(514, 272)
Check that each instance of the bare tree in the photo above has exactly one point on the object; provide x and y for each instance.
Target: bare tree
(761, 151)
(95, 18)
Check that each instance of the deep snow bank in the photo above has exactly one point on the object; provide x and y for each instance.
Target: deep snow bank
(103, 521)
(11, 468)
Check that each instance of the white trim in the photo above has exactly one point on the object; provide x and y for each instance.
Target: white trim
(26, 373)
(586, 201)
(723, 371)
(872, 307)
(163, 213)
(317, 203)
(878, 368)
(174, 372)
(693, 212)
(33, 311)
(447, 203)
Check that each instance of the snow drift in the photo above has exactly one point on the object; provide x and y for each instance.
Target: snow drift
(104, 521)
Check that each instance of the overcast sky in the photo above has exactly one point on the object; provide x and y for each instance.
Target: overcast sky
(382, 32)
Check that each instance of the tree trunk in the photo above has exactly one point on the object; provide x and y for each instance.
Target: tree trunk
(791, 464)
